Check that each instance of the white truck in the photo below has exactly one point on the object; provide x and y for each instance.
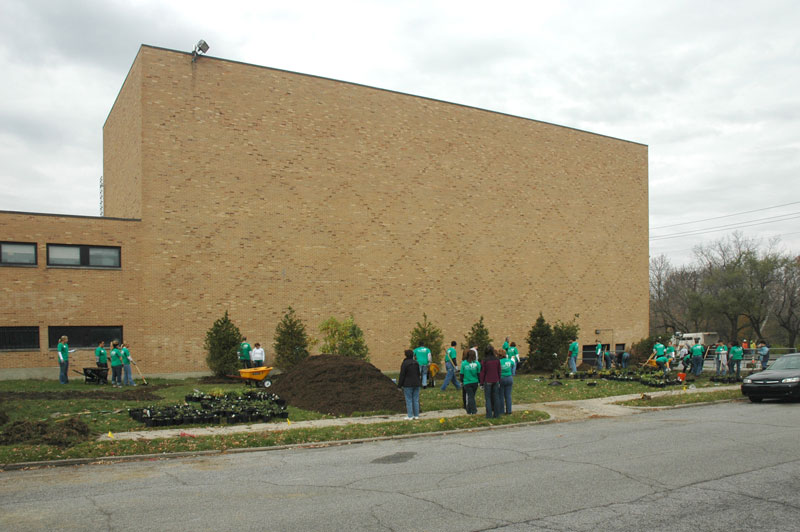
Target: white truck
(691, 338)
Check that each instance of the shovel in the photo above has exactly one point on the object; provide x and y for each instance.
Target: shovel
(144, 381)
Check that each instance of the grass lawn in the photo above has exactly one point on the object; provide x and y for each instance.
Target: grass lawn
(104, 409)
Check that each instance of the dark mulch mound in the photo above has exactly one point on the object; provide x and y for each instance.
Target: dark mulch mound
(338, 385)
(139, 393)
(213, 379)
(62, 434)
(3, 418)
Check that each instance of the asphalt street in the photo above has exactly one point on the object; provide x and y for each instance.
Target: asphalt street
(731, 466)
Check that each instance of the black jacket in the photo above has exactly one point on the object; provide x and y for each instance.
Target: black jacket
(409, 373)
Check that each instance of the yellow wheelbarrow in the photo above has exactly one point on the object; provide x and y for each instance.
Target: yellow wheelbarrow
(255, 376)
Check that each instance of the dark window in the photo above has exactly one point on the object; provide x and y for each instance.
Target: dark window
(83, 336)
(18, 253)
(620, 348)
(83, 256)
(19, 338)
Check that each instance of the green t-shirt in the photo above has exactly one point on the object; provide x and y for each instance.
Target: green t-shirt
(470, 371)
(598, 349)
(126, 356)
(659, 349)
(116, 357)
(101, 355)
(573, 349)
(670, 351)
(244, 351)
(721, 350)
(513, 354)
(698, 350)
(506, 367)
(63, 350)
(451, 355)
(422, 353)
(736, 352)
(505, 346)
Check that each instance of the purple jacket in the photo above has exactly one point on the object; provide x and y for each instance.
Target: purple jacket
(490, 371)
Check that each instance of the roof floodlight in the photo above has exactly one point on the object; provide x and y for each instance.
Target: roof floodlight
(200, 48)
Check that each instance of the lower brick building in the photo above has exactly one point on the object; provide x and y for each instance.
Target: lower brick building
(236, 187)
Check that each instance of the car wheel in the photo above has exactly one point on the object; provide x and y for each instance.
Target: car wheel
(755, 399)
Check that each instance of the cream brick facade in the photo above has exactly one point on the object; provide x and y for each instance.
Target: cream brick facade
(259, 188)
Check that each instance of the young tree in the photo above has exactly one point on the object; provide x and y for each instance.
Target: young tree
(545, 341)
(291, 341)
(431, 337)
(222, 346)
(478, 336)
(343, 338)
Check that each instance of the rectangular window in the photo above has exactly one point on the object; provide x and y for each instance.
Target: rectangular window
(83, 336)
(18, 253)
(19, 338)
(83, 256)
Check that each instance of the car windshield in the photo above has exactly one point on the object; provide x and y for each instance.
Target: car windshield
(786, 363)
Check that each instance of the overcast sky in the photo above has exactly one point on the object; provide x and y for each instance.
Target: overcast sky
(713, 87)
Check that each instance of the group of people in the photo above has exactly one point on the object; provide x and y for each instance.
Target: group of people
(726, 356)
(494, 374)
(120, 362)
(251, 356)
(120, 357)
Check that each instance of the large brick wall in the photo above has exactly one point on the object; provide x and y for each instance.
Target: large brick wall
(259, 189)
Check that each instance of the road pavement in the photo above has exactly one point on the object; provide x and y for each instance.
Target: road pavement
(731, 466)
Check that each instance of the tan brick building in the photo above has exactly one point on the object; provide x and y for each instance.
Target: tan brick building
(236, 187)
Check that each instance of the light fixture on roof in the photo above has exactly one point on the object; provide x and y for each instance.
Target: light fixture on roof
(200, 48)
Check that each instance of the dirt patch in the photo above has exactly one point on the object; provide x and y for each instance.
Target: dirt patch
(62, 433)
(213, 379)
(3, 418)
(337, 385)
(139, 393)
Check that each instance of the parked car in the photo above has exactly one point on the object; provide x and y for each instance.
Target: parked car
(781, 380)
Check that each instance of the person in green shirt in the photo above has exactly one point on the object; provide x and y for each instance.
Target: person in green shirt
(507, 366)
(244, 354)
(127, 376)
(670, 352)
(598, 351)
(737, 353)
(513, 354)
(450, 364)
(423, 355)
(116, 364)
(101, 355)
(697, 358)
(573, 356)
(721, 358)
(470, 369)
(659, 351)
(63, 360)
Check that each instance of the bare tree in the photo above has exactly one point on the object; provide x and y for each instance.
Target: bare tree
(786, 298)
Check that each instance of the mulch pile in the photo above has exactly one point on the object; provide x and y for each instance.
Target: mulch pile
(62, 433)
(338, 385)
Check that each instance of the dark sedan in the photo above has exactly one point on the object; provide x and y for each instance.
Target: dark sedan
(781, 380)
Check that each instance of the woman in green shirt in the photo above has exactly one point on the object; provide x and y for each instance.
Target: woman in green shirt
(470, 368)
(127, 376)
(116, 364)
(737, 353)
(63, 360)
(507, 367)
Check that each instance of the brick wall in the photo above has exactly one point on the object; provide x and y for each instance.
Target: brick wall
(262, 189)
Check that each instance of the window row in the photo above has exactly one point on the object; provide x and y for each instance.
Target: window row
(27, 338)
(25, 254)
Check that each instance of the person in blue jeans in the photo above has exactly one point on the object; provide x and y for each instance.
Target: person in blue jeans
(63, 360)
(423, 355)
(763, 354)
(410, 381)
(490, 380)
(507, 366)
(573, 356)
(450, 360)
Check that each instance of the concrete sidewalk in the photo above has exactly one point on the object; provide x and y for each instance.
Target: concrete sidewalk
(559, 411)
